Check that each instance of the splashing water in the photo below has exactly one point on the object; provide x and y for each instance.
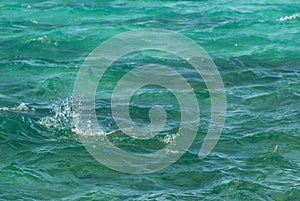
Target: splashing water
(62, 116)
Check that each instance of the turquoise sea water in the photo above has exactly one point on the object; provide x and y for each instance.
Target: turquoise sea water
(256, 48)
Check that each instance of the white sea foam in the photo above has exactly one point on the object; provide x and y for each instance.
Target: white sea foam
(21, 107)
(42, 39)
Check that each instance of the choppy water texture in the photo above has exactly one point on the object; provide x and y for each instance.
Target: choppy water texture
(255, 45)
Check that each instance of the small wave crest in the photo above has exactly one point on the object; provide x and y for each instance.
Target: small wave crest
(291, 17)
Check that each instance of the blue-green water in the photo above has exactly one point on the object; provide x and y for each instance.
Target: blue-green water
(256, 48)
